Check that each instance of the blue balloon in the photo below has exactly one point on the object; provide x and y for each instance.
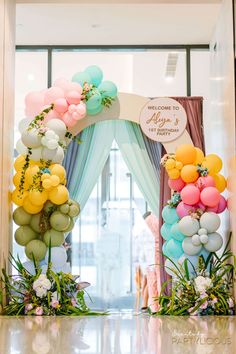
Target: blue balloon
(194, 260)
(94, 101)
(93, 112)
(174, 248)
(95, 73)
(169, 215)
(164, 250)
(176, 233)
(165, 231)
(81, 78)
(29, 266)
(108, 88)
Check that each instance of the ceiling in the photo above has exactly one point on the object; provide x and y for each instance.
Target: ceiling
(133, 22)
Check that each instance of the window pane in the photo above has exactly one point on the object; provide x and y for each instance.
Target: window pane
(149, 73)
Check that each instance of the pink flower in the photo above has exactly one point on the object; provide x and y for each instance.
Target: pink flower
(230, 302)
(73, 302)
(55, 303)
(214, 301)
(204, 305)
(28, 307)
(39, 311)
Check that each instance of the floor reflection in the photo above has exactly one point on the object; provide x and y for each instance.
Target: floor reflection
(118, 334)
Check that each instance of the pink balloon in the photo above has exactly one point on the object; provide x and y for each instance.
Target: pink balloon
(184, 210)
(176, 184)
(212, 209)
(52, 115)
(210, 196)
(190, 195)
(52, 94)
(62, 83)
(222, 205)
(68, 120)
(61, 105)
(74, 86)
(199, 205)
(81, 109)
(73, 97)
(34, 102)
(204, 182)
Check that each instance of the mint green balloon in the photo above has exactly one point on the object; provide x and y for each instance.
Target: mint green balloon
(93, 112)
(21, 217)
(94, 101)
(81, 78)
(36, 249)
(24, 234)
(64, 208)
(108, 88)
(74, 211)
(95, 73)
(59, 221)
(35, 221)
(56, 237)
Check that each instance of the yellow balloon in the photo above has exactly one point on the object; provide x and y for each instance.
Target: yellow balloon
(18, 197)
(59, 195)
(220, 182)
(30, 173)
(38, 198)
(47, 184)
(16, 179)
(179, 165)
(31, 208)
(174, 173)
(19, 163)
(200, 156)
(213, 163)
(55, 180)
(45, 176)
(189, 173)
(59, 171)
(186, 154)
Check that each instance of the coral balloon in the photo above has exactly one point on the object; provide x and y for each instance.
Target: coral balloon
(199, 157)
(186, 154)
(220, 182)
(189, 173)
(190, 195)
(213, 163)
(184, 210)
(222, 205)
(176, 184)
(59, 195)
(204, 182)
(210, 196)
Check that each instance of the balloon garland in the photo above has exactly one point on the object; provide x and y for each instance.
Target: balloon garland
(45, 213)
(191, 217)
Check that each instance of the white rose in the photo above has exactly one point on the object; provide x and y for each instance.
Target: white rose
(41, 292)
(202, 283)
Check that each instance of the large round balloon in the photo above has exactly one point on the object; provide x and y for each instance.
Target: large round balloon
(190, 195)
(169, 215)
(82, 78)
(186, 154)
(36, 249)
(184, 209)
(108, 88)
(210, 222)
(189, 173)
(21, 217)
(199, 156)
(59, 221)
(220, 182)
(189, 248)
(174, 248)
(31, 138)
(210, 196)
(24, 234)
(53, 237)
(213, 163)
(58, 126)
(59, 195)
(165, 231)
(35, 222)
(58, 256)
(95, 73)
(188, 226)
(176, 233)
(215, 242)
(176, 184)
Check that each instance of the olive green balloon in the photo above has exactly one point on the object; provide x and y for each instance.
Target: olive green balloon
(48, 206)
(59, 221)
(64, 208)
(74, 211)
(56, 237)
(24, 234)
(71, 226)
(21, 217)
(35, 221)
(36, 249)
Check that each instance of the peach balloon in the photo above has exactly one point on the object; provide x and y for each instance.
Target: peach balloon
(186, 154)
(189, 173)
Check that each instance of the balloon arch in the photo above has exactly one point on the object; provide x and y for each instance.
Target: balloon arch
(45, 212)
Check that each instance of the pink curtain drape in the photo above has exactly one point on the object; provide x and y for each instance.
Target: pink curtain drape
(193, 108)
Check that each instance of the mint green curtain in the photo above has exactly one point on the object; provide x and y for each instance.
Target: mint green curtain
(90, 160)
(132, 146)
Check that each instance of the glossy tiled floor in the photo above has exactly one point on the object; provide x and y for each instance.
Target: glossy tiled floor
(118, 334)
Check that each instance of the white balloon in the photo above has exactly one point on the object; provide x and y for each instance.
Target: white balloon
(58, 158)
(189, 248)
(169, 266)
(50, 134)
(44, 141)
(215, 242)
(204, 239)
(202, 232)
(58, 257)
(196, 240)
(58, 126)
(188, 226)
(21, 148)
(48, 154)
(24, 124)
(30, 138)
(52, 144)
(36, 154)
(210, 221)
